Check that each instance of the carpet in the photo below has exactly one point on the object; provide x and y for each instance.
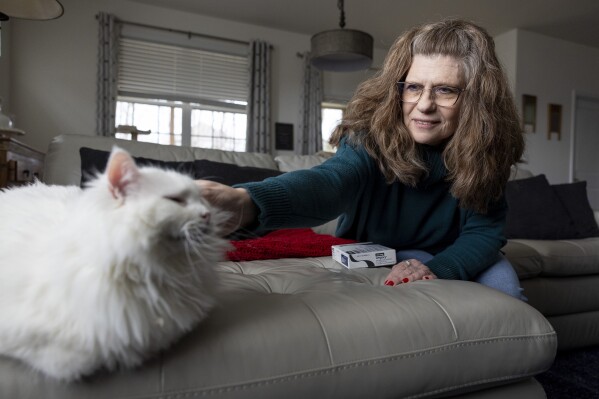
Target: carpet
(574, 375)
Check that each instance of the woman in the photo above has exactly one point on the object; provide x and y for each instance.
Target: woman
(424, 153)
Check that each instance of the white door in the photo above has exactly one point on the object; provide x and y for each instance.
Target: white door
(586, 146)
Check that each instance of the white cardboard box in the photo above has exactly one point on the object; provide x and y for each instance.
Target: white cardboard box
(363, 254)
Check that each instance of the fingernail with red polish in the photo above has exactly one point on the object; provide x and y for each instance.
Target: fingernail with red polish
(389, 282)
(406, 280)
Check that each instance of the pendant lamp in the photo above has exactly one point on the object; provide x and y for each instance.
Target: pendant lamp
(341, 50)
(30, 9)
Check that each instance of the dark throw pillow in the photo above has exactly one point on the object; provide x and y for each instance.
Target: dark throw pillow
(94, 161)
(574, 197)
(230, 174)
(536, 212)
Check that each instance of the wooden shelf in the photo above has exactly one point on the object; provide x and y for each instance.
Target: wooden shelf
(19, 163)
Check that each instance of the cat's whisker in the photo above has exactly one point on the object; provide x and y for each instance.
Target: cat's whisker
(195, 244)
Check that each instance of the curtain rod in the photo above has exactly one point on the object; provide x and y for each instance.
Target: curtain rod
(187, 33)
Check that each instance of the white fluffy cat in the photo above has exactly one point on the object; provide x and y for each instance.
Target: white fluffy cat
(104, 276)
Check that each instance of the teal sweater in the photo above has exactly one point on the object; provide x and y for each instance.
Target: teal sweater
(426, 217)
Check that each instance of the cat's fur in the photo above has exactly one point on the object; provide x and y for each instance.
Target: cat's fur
(104, 276)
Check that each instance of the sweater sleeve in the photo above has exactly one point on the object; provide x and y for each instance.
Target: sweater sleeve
(306, 198)
(476, 248)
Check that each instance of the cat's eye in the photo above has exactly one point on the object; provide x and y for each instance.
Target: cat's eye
(180, 200)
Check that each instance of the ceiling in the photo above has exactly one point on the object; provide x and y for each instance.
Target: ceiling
(571, 20)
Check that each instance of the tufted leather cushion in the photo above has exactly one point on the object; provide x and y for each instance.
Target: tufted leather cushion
(298, 328)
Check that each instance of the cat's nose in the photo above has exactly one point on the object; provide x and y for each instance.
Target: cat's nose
(205, 216)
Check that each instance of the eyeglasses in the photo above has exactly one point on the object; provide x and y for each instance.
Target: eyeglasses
(443, 96)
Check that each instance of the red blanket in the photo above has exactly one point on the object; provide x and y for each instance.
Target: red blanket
(287, 243)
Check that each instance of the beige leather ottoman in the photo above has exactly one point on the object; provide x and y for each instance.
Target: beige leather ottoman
(307, 328)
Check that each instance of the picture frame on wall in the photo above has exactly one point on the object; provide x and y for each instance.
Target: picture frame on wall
(554, 121)
(529, 113)
(284, 136)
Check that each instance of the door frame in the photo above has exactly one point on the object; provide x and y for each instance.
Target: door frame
(576, 95)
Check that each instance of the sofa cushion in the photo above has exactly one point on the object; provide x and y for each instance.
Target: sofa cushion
(252, 159)
(62, 164)
(94, 161)
(288, 163)
(556, 257)
(576, 330)
(536, 212)
(525, 259)
(574, 197)
(230, 174)
(554, 296)
(519, 173)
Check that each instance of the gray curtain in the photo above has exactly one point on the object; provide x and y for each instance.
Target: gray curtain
(309, 137)
(258, 116)
(108, 39)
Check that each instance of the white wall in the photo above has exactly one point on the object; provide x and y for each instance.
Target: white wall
(52, 79)
(4, 67)
(505, 47)
(551, 69)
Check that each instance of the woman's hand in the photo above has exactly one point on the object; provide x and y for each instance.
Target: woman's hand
(235, 201)
(409, 270)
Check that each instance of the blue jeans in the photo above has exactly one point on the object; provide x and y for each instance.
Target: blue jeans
(500, 275)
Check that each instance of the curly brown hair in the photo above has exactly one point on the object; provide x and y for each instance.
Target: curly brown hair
(488, 139)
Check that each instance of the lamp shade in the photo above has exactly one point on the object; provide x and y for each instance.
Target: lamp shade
(341, 50)
(31, 9)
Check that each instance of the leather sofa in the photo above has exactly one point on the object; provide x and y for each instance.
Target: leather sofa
(559, 275)
(560, 279)
(308, 327)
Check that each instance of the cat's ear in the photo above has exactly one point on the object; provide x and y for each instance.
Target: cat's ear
(121, 172)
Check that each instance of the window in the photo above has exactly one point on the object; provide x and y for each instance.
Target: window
(332, 114)
(183, 93)
(220, 129)
(208, 127)
(162, 118)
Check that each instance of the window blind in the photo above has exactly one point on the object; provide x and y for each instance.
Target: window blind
(157, 70)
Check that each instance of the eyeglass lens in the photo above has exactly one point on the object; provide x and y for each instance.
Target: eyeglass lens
(444, 96)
